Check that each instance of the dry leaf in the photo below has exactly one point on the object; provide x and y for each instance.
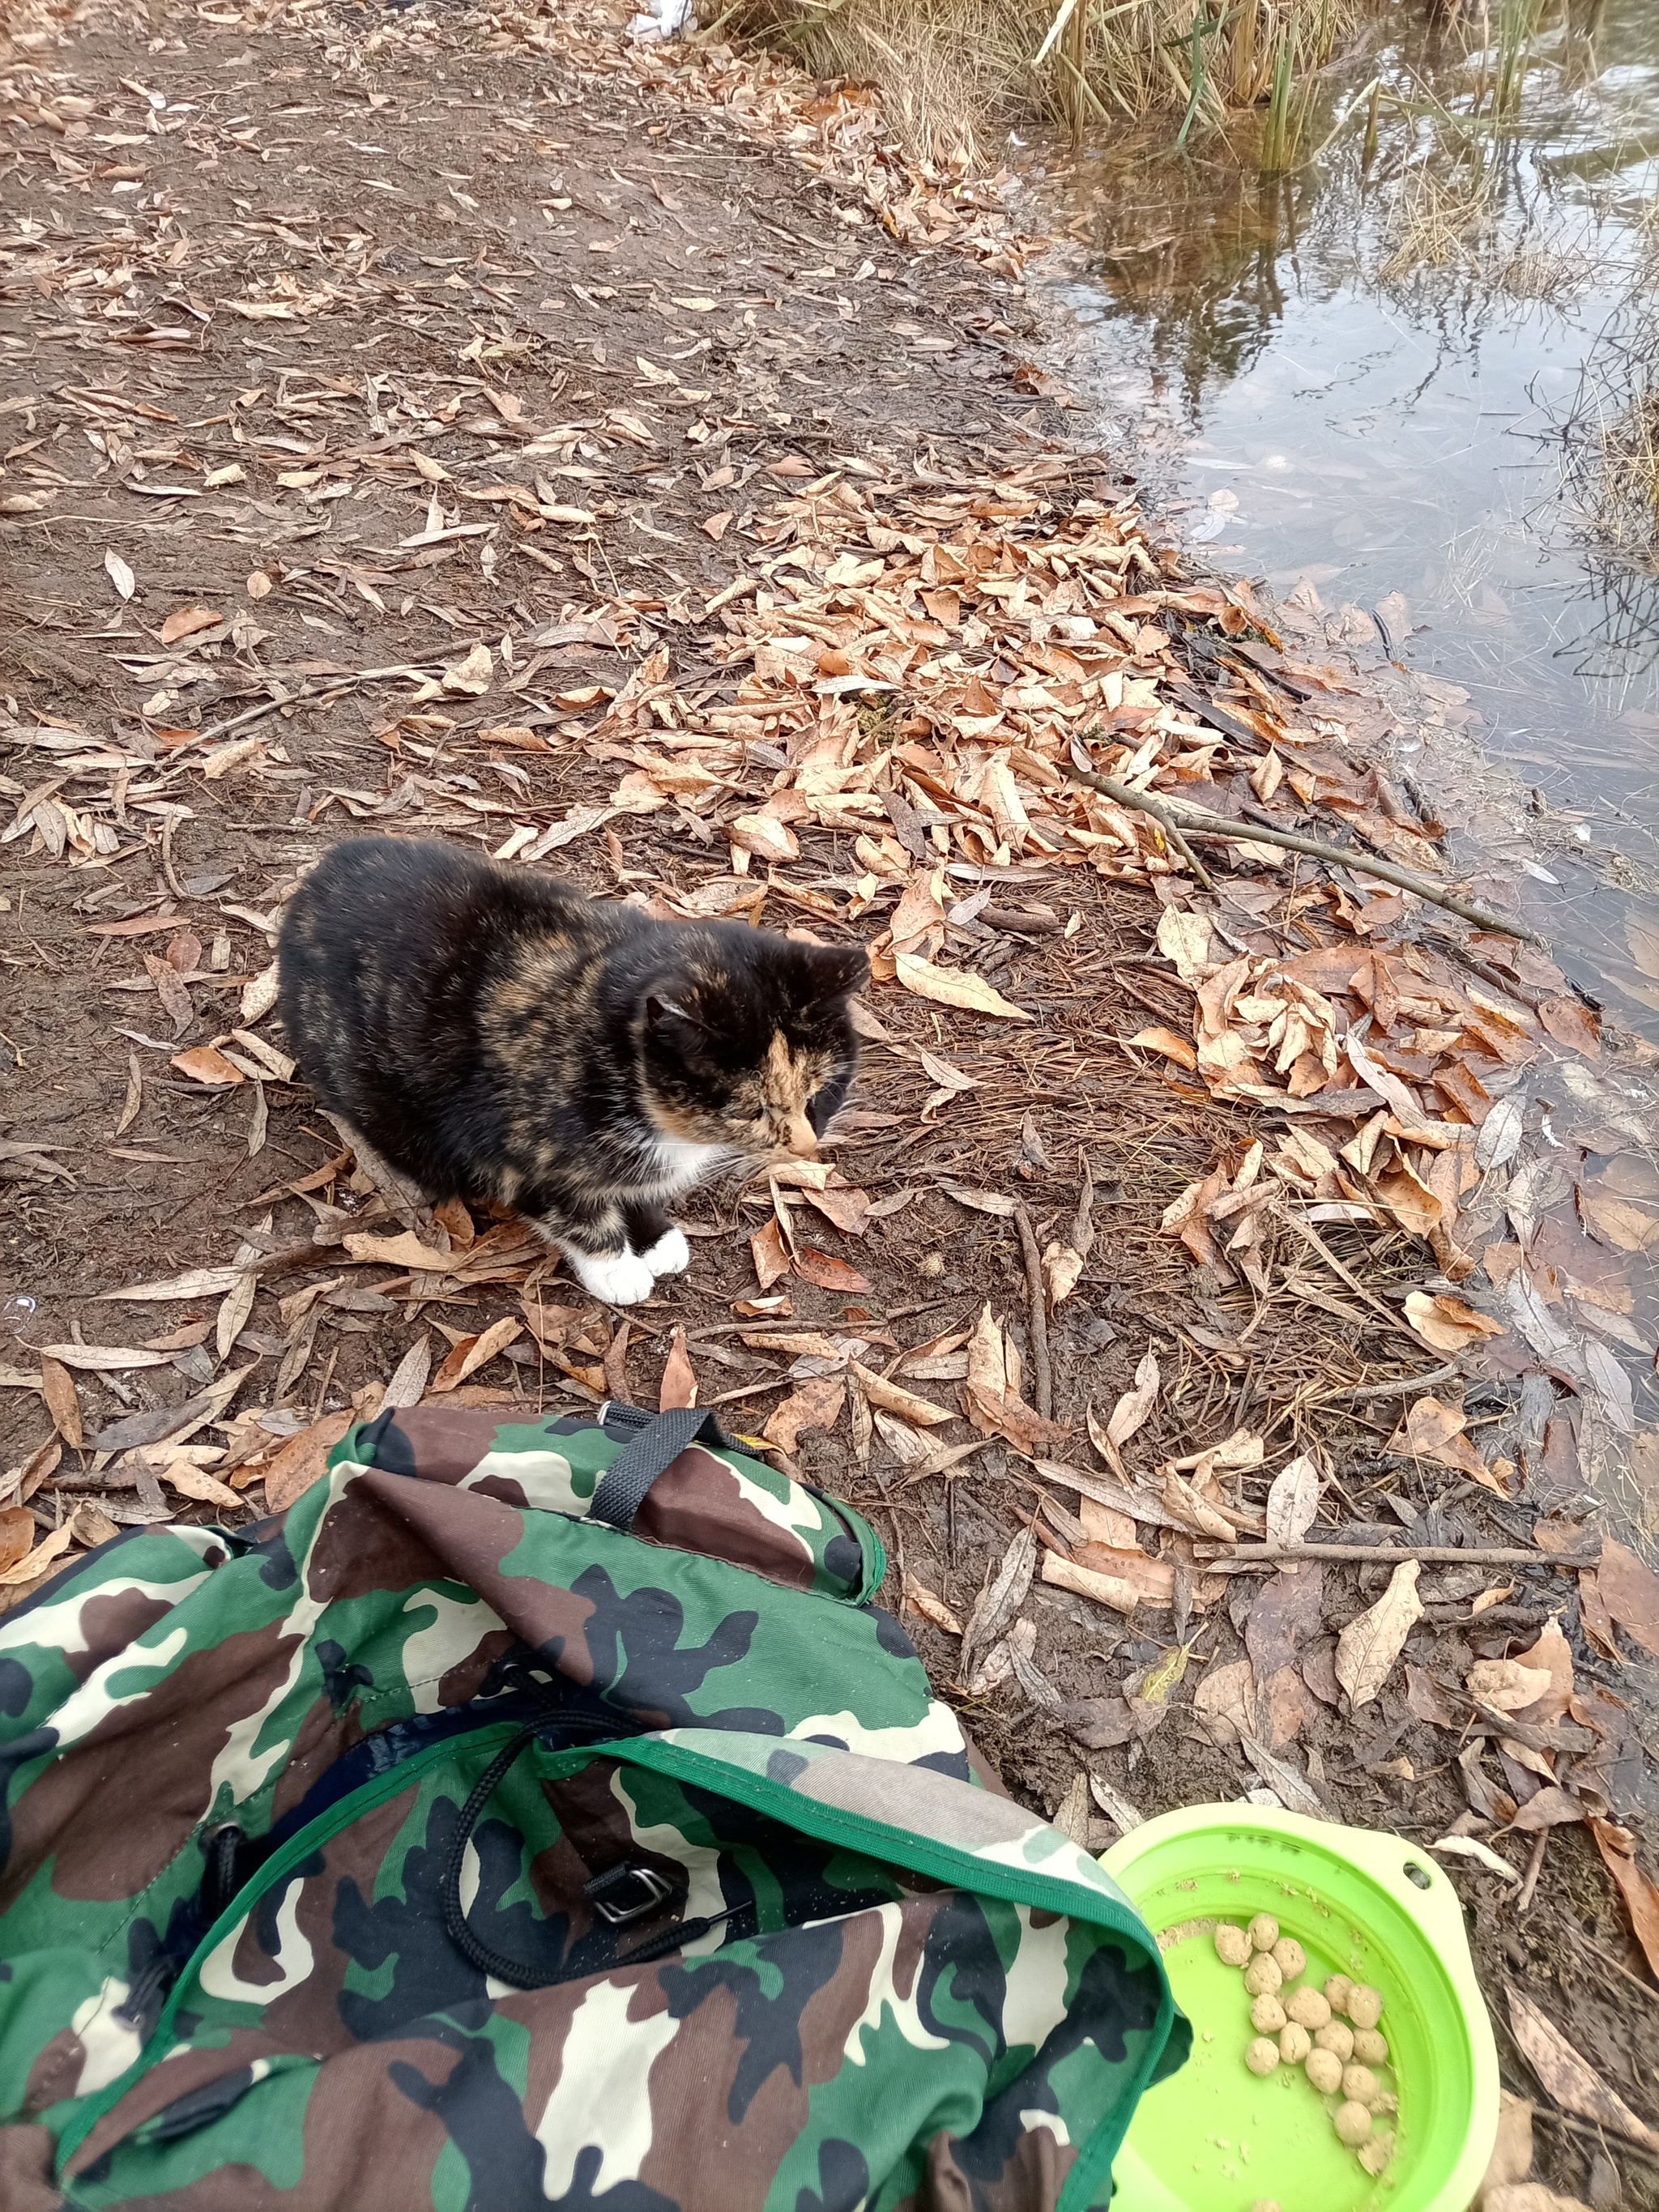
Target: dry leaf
(1002, 1597)
(258, 995)
(1511, 2153)
(1187, 1509)
(1447, 1324)
(1085, 1582)
(199, 1282)
(473, 1353)
(930, 1606)
(90, 1525)
(202, 1064)
(1062, 1267)
(406, 1252)
(771, 1258)
(1639, 1891)
(1552, 1655)
(1501, 1132)
(120, 574)
(1292, 1501)
(472, 674)
(1225, 1702)
(815, 1405)
(1571, 1024)
(845, 1210)
(171, 993)
(196, 1482)
(955, 987)
(1471, 1847)
(1570, 2080)
(409, 1378)
(16, 1534)
(31, 1569)
(828, 1273)
(679, 1382)
(301, 1460)
(1619, 1221)
(921, 1413)
(1151, 1580)
(1185, 938)
(135, 1098)
(1505, 1685)
(1630, 1591)
(1434, 1432)
(63, 1402)
(996, 1202)
(1549, 1807)
(106, 1359)
(1133, 1409)
(1169, 1042)
(1367, 1647)
(185, 621)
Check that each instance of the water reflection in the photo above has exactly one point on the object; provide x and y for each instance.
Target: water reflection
(1357, 377)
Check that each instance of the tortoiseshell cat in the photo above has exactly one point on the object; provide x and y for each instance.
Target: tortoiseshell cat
(496, 1033)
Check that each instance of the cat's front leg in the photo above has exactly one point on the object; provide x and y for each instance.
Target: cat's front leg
(650, 1233)
(598, 1247)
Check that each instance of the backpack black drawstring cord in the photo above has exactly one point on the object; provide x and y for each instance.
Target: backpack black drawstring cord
(498, 1965)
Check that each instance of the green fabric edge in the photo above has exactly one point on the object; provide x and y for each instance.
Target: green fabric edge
(828, 1824)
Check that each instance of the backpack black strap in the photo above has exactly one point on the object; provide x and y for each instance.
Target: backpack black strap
(651, 1448)
(625, 1895)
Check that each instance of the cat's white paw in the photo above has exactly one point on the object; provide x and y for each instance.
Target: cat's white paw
(669, 1255)
(622, 1279)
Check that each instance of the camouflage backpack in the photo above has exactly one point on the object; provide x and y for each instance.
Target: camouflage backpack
(538, 1812)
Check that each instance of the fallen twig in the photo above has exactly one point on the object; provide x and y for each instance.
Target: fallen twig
(1535, 1867)
(1593, 2133)
(1042, 1376)
(1144, 803)
(253, 714)
(1403, 1386)
(1608, 1960)
(1201, 824)
(1217, 1561)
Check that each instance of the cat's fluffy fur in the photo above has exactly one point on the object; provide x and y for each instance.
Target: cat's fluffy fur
(496, 1034)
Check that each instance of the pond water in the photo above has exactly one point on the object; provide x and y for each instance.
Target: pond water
(1353, 380)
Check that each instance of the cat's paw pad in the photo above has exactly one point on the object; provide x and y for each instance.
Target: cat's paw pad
(622, 1279)
(669, 1255)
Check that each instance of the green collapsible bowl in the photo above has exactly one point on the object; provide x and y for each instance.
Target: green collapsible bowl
(1216, 2138)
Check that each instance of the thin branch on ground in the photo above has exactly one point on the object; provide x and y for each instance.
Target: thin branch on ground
(1202, 823)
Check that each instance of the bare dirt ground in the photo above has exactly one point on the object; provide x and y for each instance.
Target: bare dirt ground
(474, 426)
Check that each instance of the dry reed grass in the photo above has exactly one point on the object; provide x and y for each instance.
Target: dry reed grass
(953, 71)
(1610, 451)
(1438, 222)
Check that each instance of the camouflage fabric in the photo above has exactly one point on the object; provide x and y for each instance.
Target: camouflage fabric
(437, 1843)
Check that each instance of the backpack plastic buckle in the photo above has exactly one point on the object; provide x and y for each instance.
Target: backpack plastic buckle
(628, 1892)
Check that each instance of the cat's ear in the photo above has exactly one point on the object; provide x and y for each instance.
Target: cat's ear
(836, 970)
(658, 1007)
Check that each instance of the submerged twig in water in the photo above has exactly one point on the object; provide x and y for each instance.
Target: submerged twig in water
(1199, 824)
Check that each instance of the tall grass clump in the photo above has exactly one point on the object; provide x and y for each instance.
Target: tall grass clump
(1610, 449)
(1516, 28)
(954, 71)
